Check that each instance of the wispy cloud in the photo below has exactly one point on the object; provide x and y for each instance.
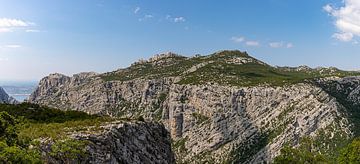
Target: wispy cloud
(179, 19)
(32, 30)
(12, 46)
(175, 19)
(276, 44)
(237, 39)
(241, 39)
(8, 24)
(280, 45)
(252, 43)
(137, 9)
(346, 19)
(256, 43)
(344, 37)
(147, 16)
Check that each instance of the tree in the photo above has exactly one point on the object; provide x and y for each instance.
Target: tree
(8, 128)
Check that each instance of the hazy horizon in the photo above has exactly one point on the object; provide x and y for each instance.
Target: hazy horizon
(39, 37)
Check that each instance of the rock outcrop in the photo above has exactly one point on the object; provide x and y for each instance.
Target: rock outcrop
(5, 98)
(119, 142)
(212, 120)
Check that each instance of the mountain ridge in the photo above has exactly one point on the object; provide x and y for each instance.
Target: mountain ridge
(226, 106)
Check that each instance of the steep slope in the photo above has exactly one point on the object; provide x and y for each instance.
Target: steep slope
(5, 98)
(227, 106)
(118, 142)
(33, 133)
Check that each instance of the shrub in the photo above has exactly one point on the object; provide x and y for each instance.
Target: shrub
(69, 150)
(351, 153)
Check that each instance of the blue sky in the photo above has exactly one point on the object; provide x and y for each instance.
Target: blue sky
(39, 37)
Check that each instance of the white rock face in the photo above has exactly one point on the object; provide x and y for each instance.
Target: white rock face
(208, 122)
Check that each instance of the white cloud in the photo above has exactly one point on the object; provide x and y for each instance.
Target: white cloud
(252, 43)
(12, 46)
(345, 37)
(175, 19)
(237, 39)
(9, 25)
(148, 16)
(280, 45)
(347, 19)
(31, 30)
(276, 44)
(179, 19)
(328, 8)
(137, 9)
(6, 22)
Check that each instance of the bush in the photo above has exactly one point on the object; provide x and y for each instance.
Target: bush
(15, 154)
(7, 128)
(141, 118)
(304, 154)
(69, 150)
(351, 153)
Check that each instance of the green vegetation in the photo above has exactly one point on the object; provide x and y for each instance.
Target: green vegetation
(69, 150)
(308, 152)
(200, 118)
(220, 68)
(172, 66)
(21, 127)
(248, 149)
(304, 154)
(40, 114)
(12, 150)
(18, 154)
(179, 145)
(351, 153)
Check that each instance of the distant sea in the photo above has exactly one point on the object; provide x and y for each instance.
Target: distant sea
(20, 90)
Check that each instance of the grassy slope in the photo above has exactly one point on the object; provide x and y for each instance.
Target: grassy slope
(36, 121)
(222, 72)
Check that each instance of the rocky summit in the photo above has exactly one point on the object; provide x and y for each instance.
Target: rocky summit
(226, 107)
(5, 98)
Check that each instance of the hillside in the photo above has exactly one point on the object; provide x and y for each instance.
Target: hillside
(223, 107)
(37, 134)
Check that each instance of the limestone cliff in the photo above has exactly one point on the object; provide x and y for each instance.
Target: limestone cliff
(225, 107)
(117, 143)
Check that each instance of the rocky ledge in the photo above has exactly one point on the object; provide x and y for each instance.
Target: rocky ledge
(117, 142)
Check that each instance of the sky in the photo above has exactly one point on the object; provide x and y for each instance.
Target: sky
(39, 37)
